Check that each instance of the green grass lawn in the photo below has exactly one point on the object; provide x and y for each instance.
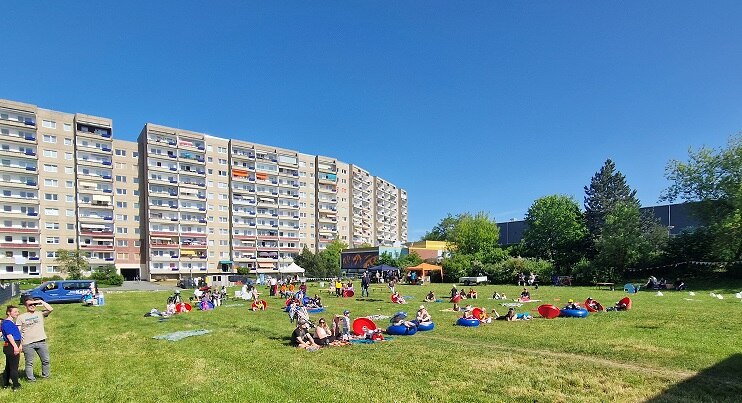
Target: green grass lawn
(671, 348)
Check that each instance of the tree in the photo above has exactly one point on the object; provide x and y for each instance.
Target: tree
(622, 243)
(713, 179)
(330, 258)
(443, 231)
(607, 188)
(107, 274)
(72, 262)
(556, 230)
(310, 263)
(477, 236)
(401, 261)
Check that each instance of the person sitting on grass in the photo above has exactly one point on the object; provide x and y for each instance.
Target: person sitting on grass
(398, 298)
(258, 305)
(593, 304)
(497, 295)
(620, 306)
(472, 294)
(483, 317)
(375, 334)
(468, 312)
(317, 301)
(430, 297)
(571, 304)
(322, 333)
(525, 295)
(423, 316)
(283, 290)
(302, 339)
(679, 285)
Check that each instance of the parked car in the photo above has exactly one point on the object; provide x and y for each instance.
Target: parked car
(59, 291)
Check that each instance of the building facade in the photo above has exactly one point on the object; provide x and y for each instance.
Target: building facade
(175, 203)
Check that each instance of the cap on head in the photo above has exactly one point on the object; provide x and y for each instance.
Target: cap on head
(422, 306)
(571, 300)
(345, 312)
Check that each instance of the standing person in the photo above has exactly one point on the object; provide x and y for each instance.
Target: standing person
(365, 282)
(11, 347)
(392, 284)
(378, 277)
(338, 287)
(33, 337)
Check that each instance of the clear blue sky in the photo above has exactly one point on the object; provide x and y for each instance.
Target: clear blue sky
(482, 105)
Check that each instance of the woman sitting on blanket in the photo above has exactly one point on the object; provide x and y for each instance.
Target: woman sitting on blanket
(375, 334)
(525, 295)
(323, 335)
(468, 312)
(258, 305)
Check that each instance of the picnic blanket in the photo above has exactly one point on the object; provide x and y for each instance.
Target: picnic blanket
(367, 341)
(378, 317)
(181, 334)
(512, 304)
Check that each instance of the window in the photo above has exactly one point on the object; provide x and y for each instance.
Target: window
(69, 213)
(135, 179)
(51, 196)
(70, 240)
(121, 204)
(48, 138)
(51, 225)
(222, 161)
(120, 230)
(67, 141)
(135, 154)
(51, 211)
(120, 191)
(52, 239)
(50, 153)
(69, 184)
(50, 168)
(49, 124)
(68, 156)
(69, 170)
(222, 150)
(120, 178)
(122, 256)
(70, 226)
(51, 183)
(69, 198)
(122, 242)
(121, 152)
(68, 128)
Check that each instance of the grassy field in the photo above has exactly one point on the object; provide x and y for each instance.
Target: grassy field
(674, 347)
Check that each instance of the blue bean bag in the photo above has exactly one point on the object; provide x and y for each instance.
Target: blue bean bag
(401, 330)
(424, 327)
(468, 322)
(573, 313)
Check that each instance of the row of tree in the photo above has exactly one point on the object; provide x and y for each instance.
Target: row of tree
(610, 235)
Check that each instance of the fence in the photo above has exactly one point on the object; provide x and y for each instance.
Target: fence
(9, 291)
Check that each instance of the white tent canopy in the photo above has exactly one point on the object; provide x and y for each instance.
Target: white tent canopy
(292, 268)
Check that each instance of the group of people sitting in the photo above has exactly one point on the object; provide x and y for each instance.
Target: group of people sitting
(341, 289)
(287, 289)
(661, 284)
(595, 305)
(324, 334)
(457, 296)
(497, 295)
(484, 317)
(398, 299)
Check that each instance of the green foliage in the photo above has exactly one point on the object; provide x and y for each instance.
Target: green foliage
(607, 188)
(506, 271)
(72, 262)
(310, 262)
(458, 265)
(328, 260)
(713, 178)
(107, 275)
(479, 237)
(402, 261)
(555, 231)
(444, 230)
(244, 270)
(622, 243)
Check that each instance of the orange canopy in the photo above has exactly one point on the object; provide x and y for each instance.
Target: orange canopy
(425, 268)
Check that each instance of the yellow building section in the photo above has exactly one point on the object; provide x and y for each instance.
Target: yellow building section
(429, 245)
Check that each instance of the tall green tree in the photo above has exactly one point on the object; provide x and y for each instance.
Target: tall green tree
(330, 258)
(443, 231)
(477, 235)
(72, 262)
(622, 244)
(556, 230)
(310, 263)
(713, 179)
(607, 188)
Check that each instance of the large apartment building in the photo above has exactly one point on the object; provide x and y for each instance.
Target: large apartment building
(175, 203)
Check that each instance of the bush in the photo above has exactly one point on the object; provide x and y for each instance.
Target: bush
(506, 272)
(107, 275)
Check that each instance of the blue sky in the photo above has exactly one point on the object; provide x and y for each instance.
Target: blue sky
(482, 105)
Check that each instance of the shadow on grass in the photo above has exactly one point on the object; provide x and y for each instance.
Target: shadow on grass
(369, 300)
(285, 340)
(719, 383)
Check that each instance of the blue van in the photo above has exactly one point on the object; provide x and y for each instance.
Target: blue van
(59, 291)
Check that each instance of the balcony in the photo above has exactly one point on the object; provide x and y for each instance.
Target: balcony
(20, 230)
(19, 245)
